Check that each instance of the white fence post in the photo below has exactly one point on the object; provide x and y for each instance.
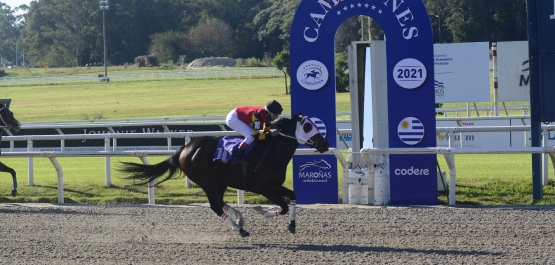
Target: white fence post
(60, 174)
(30, 176)
(545, 162)
(450, 160)
(108, 166)
(151, 199)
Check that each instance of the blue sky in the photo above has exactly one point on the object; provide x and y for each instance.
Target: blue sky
(15, 3)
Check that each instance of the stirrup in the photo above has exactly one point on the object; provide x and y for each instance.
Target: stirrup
(239, 161)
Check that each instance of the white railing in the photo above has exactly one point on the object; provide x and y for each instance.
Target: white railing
(110, 151)
(448, 153)
(115, 77)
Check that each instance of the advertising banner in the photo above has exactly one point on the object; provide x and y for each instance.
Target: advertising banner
(98, 144)
(411, 95)
(475, 139)
(462, 72)
(513, 71)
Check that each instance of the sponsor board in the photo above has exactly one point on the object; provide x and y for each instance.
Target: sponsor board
(475, 139)
(462, 72)
(513, 71)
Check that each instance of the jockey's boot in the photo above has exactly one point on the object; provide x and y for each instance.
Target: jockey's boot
(240, 155)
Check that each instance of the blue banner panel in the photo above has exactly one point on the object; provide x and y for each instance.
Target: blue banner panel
(316, 177)
(413, 183)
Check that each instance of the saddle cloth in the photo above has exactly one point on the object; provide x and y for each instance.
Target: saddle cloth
(227, 148)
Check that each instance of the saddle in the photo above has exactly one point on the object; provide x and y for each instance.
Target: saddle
(227, 148)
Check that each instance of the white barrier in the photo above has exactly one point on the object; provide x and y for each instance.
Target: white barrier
(448, 153)
(264, 72)
(379, 187)
(107, 153)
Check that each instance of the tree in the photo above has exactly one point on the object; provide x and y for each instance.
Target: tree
(347, 33)
(212, 38)
(168, 45)
(274, 24)
(341, 72)
(10, 32)
(282, 62)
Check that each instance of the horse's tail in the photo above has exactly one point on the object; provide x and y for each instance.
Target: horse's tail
(146, 173)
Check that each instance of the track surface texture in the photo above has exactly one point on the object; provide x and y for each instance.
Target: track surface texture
(326, 234)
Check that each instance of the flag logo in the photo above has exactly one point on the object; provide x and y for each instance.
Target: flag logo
(410, 130)
(320, 125)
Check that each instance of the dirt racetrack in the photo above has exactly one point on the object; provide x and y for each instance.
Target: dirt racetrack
(326, 234)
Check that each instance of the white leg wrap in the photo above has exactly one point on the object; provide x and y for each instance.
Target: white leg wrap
(230, 222)
(292, 210)
(271, 214)
(230, 210)
(237, 214)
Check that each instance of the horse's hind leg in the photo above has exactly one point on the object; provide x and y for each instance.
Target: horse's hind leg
(229, 209)
(4, 168)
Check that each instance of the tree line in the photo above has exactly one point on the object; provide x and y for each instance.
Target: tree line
(68, 33)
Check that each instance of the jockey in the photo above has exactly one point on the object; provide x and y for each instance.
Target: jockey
(249, 120)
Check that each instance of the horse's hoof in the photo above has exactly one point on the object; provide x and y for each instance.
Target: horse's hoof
(14, 193)
(291, 228)
(244, 233)
(258, 209)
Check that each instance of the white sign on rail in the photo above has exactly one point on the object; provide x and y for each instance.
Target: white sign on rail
(462, 72)
(513, 71)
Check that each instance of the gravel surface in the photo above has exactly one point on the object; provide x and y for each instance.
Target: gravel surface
(326, 234)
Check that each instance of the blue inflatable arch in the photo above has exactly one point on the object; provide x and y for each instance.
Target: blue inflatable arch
(411, 98)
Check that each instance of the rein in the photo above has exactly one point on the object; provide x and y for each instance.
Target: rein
(2, 119)
(309, 142)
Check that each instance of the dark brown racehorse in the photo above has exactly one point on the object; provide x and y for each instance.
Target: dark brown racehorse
(265, 172)
(8, 122)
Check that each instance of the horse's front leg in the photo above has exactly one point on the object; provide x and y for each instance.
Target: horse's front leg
(292, 209)
(277, 198)
(4, 168)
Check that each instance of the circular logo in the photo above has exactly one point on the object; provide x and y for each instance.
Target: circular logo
(409, 73)
(410, 130)
(312, 75)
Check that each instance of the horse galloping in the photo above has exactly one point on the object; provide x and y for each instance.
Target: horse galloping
(264, 174)
(10, 123)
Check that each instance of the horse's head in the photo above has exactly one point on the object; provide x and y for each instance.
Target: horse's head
(8, 120)
(305, 131)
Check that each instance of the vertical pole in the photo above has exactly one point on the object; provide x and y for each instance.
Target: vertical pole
(495, 91)
(104, 36)
(108, 166)
(30, 177)
(535, 124)
(151, 198)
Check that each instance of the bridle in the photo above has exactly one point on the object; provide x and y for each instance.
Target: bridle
(308, 142)
(9, 126)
